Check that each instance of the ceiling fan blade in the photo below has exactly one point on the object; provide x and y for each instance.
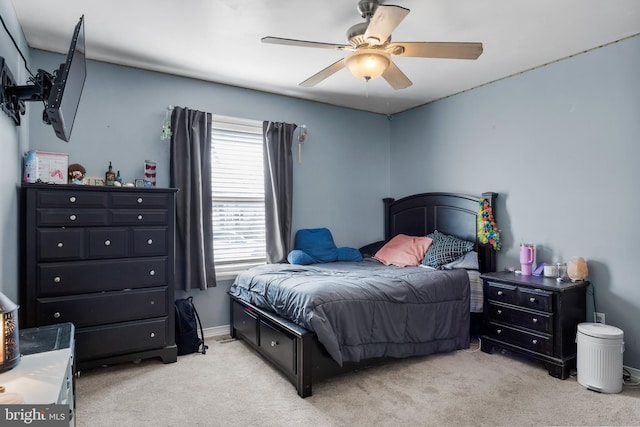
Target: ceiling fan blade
(384, 21)
(318, 77)
(396, 78)
(437, 50)
(304, 43)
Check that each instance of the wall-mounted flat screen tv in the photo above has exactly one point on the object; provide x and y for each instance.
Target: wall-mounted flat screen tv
(67, 87)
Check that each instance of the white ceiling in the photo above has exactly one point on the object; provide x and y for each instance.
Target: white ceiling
(219, 40)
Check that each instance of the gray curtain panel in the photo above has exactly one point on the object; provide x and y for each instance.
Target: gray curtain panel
(278, 184)
(190, 169)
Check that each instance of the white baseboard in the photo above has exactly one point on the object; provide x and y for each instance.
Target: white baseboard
(216, 331)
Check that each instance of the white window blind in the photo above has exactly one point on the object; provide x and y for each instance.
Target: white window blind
(238, 194)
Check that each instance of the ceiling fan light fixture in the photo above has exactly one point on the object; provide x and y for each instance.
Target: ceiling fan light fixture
(367, 64)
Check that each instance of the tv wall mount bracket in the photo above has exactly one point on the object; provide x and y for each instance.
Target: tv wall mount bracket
(13, 97)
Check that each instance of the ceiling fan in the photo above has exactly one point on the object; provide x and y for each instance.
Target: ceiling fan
(371, 47)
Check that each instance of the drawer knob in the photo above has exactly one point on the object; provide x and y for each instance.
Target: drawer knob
(274, 343)
(500, 293)
(150, 242)
(73, 217)
(152, 273)
(152, 334)
(499, 331)
(107, 242)
(152, 302)
(60, 244)
(139, 217)
(56, 315)
(532, 299)
(139, 200)
(534, 341)
(56, 279)
(499, 311)
(535, 320)
(72, 199)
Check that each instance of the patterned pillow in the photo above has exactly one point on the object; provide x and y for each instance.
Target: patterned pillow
(445, 249)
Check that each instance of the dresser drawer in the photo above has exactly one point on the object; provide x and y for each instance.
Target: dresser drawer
(537, 321)
(149, 241)
(62, 278)
(98, 308)
(140, 200)
(539, 343)
(108, 242)
(245, 323)
(536, 299)
(503, 293)
(59, 244)
(70, 199)
(139, 217)
(279, 346)
(121, 338)
(70, 217)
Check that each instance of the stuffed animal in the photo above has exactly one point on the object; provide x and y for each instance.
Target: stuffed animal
(76, 173)
(487, 229)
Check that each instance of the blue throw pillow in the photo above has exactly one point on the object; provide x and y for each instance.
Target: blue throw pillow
(316, 245)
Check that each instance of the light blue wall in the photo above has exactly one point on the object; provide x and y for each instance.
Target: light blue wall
(561, 145)
(14, 142)
(340, 184)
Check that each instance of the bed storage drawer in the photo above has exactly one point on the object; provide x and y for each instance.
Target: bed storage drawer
(245, 323)
(278, 346)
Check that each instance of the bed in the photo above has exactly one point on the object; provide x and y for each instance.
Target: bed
(405, 313)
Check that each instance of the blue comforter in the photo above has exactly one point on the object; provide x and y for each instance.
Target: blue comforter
(361, 310)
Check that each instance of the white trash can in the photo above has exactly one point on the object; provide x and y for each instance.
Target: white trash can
(599, 357)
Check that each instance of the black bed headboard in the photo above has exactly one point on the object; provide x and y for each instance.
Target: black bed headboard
(455, 214)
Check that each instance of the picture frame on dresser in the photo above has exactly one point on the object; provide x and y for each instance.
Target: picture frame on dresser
(535, 317)
(88, 249)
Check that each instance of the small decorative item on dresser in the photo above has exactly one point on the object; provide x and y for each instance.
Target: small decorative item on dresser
(76, 173)
(577, 269)
(9, 335)
(109, 176)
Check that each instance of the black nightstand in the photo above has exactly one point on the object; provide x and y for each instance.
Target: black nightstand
(535, 317)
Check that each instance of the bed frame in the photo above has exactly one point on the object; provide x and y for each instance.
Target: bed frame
(296, 351)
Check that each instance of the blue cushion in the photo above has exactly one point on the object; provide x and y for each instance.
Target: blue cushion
(349, 254)
(316, 245)
(299, 257)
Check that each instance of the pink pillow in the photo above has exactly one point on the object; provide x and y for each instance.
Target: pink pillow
(403, 250)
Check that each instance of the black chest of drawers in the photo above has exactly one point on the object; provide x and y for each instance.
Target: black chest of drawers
(535, 317)
(103, 259)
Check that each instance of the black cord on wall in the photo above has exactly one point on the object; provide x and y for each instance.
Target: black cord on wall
(16, 45)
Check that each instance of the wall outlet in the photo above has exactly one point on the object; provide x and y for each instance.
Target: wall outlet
(598, 317)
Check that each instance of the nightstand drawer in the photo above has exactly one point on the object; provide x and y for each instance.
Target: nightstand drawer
(502, 293)
(537, 321)
(534, 342)
(536, 299)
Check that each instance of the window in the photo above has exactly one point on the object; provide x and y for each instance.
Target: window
(237, 194)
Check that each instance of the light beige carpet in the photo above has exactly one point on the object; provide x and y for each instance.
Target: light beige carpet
(233, 386)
